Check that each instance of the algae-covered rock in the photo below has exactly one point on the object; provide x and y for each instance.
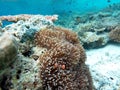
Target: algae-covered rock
(8, 50)
(114, 34)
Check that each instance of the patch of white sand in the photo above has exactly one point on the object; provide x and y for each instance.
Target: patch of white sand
(104, 64)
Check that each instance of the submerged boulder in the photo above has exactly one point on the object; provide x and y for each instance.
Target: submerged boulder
(114, 34)
(8, 50)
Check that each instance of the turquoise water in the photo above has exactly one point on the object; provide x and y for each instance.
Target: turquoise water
(10, 7)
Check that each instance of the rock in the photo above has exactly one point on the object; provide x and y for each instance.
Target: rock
(114, 34)
(104, 14)
(8, 50)
(92, 40)
(0, 31)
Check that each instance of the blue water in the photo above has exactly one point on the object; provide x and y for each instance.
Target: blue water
(11, 7)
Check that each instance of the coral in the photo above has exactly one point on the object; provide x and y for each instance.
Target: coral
(15, 18)
(23, 70)
(62, 66)
(24, 17)
(27, 25)
(115, 34)
(52, 18)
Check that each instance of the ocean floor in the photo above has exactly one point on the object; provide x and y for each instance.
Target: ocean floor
(104, 64)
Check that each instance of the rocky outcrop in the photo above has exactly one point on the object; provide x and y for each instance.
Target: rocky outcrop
(8, 50)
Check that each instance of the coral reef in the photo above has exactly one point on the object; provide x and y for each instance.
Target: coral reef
(24, 30)
(8, 50)
(59, 48)
(24, 17)
(114, 34)
(15, 18)
(23, 73)
(112, 7)
(99, 24)
(62, 66)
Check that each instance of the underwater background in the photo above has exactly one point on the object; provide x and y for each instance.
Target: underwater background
(52, 6)
(59, 44)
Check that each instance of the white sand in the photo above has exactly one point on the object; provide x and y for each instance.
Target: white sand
(104, 64)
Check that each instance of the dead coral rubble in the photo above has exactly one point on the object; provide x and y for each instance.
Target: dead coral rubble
(115, 34)
(62, 66)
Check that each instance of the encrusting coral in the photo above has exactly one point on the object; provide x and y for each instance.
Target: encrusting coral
(62, 66)
(115, 34)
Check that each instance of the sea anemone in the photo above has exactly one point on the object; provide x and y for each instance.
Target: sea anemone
(62, 66)
(49, 36)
